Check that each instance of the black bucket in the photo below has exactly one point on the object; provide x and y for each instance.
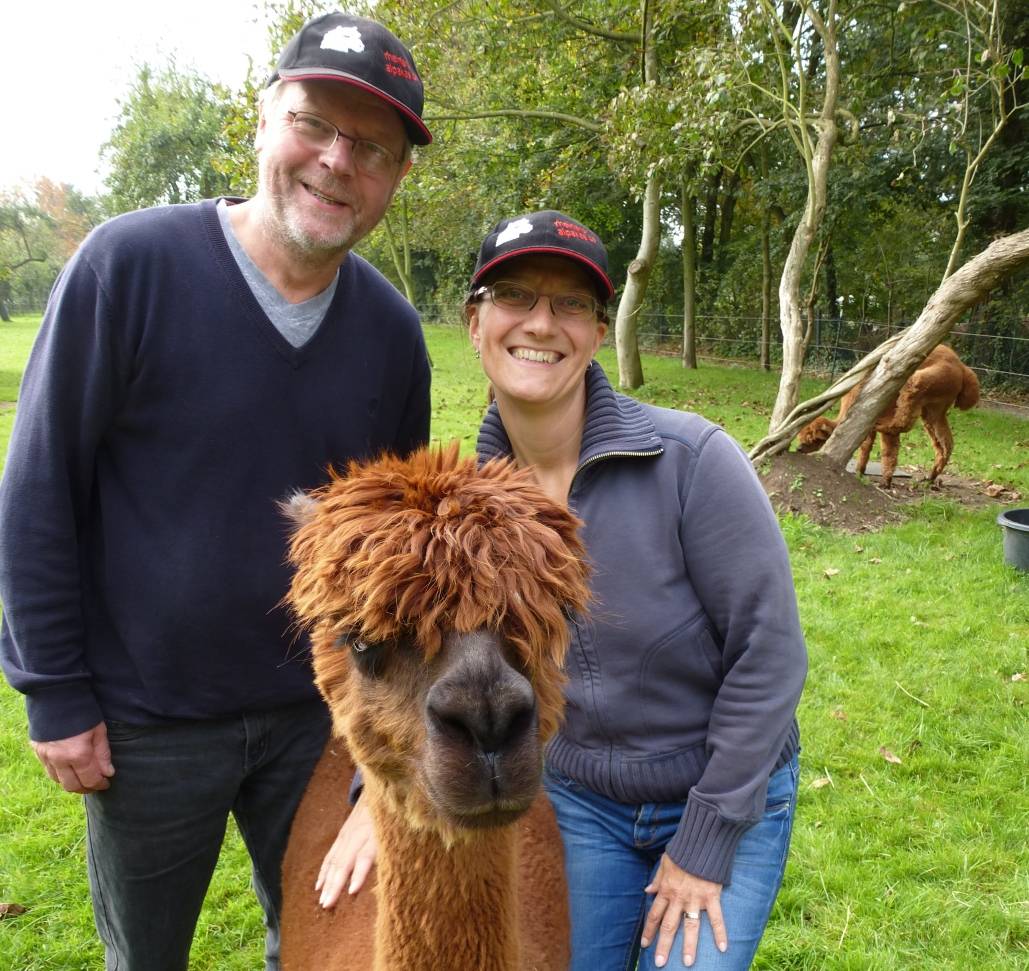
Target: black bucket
(1015, 523)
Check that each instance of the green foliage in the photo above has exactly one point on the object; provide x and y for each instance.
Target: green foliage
(39, 229)
(170, 129)
(539, 103)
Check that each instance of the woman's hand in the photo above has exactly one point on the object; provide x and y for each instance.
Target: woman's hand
(679, 895)
(350, 858)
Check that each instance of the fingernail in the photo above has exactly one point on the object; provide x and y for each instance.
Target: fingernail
(660, 960)
(688, 960)
(722, 946)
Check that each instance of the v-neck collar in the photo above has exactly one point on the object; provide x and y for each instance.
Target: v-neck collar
(249, 303)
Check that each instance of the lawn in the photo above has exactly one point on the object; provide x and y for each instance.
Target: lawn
(910, 845)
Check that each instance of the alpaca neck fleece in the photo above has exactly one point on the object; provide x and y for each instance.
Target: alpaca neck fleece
(444, 906)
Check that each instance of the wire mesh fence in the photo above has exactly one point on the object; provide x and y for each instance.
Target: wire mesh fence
(1000, 359)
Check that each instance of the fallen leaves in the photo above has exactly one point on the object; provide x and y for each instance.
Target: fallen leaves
(11, 910)
(997, 491)
(831, 572)
(1019, 676)
(889, 756)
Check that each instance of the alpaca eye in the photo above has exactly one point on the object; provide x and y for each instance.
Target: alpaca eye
(369, 656)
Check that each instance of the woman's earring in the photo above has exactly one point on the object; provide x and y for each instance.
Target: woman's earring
(477, 350)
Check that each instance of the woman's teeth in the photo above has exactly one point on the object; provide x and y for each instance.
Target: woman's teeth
(541, 357)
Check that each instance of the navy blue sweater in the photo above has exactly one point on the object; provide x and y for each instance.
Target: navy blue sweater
(161, 419)
(684, 679)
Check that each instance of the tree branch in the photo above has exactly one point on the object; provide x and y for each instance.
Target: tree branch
(587, 28)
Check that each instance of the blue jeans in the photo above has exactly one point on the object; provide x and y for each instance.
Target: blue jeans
(154, 837)
(612, 851)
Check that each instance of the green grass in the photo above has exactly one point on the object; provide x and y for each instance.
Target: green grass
(913, 644)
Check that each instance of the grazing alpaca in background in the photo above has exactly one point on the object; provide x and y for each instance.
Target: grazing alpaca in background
(436, 595)
(940, 381)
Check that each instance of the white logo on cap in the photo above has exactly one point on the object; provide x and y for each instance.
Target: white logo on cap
(513, 230)
(343, 39)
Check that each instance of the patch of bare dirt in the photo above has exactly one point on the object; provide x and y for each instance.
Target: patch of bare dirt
(807, 485)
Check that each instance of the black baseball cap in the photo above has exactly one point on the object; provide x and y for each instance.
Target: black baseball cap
(548, 232)
(360, 52)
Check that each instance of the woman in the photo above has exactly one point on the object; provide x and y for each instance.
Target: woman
(674, 775)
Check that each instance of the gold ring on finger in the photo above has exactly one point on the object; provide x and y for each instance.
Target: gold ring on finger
(691, 914)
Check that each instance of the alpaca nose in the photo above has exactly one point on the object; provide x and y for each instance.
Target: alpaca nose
(488, 712)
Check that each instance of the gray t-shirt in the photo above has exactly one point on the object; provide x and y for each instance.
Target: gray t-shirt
(297, 322)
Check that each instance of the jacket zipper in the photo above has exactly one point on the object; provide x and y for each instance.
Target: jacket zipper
(594, 714)
(620, 455)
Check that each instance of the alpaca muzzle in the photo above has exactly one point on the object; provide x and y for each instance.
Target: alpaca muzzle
(483, 746)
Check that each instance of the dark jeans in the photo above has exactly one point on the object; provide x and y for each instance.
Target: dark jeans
(154, 837)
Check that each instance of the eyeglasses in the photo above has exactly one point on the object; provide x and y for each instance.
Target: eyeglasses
(517, 296)
(369, 157)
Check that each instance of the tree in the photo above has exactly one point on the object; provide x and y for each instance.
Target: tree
(796, 52)
(170, 129)
(16, 250)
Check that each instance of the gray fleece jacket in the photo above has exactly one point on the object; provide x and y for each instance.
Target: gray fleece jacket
(685, 676)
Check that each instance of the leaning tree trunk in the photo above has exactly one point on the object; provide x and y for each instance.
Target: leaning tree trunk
(965, 288)
(630, 370)
(791, 317)
(970, 285)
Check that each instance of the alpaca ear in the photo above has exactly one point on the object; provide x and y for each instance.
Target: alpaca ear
(300, 508)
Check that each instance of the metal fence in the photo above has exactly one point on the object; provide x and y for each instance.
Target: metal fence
(1000, 359)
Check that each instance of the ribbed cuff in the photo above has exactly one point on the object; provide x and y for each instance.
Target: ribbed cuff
(705, 844)
(62, 711)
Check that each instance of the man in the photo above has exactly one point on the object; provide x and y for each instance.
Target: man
(195, 365)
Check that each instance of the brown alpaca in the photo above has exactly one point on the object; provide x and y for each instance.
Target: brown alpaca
(436, 595)
(940, 381)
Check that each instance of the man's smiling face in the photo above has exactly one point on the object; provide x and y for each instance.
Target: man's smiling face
(315, 201)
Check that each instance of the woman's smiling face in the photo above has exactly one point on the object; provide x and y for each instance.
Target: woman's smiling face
(537, 357)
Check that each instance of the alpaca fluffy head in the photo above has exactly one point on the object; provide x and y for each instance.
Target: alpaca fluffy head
(815, 434)
(402, 554)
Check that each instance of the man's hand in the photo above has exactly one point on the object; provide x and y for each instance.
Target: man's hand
(79, 764)
(350, 858)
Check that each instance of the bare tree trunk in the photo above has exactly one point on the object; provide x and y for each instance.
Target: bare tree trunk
(766, 272)
(732, 192)
(689, 280)
(630, 369)
(707, 236)
(968, 286)
(400, 251)
(791, 318)
(766, 293)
